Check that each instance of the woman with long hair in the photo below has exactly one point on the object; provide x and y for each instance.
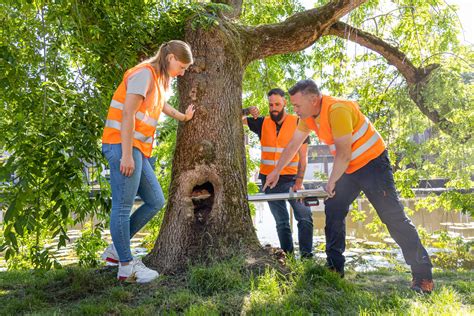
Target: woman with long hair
(127, 144)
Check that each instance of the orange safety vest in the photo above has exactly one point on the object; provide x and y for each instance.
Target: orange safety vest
(146, 117)
(273, 145)
(367, 144)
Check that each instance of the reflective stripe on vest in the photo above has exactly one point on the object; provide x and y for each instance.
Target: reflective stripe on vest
(146, 117)
(275, 162)
(139, 115)
(356, 136)
(272, 145)
(137, 135)
(359, 151)
(272, 149)
(367, 144)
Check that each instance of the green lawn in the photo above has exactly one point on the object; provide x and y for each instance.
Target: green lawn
(229, 288)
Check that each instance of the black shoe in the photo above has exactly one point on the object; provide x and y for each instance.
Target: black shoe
(338, 271)
(422, 286)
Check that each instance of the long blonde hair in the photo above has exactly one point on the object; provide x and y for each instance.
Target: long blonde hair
(181, 50)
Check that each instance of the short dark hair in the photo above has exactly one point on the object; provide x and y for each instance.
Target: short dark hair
(305, 86)
(278, 91)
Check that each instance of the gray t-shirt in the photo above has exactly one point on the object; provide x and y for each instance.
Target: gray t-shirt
(140, 82)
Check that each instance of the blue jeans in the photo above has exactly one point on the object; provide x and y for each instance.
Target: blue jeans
(124, 189)
(302, 215)
(376, 180)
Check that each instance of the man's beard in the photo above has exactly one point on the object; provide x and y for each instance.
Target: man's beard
(276, 117)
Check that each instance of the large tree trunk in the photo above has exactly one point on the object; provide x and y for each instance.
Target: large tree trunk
(209, 157)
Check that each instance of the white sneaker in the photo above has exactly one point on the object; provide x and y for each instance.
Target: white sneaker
(136, 271)
(110, 256)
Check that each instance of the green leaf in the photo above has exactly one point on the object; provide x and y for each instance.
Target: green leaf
(11, 211)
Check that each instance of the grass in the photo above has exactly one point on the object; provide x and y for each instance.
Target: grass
(229, 288)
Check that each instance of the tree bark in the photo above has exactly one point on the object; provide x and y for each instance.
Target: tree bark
(209, 156)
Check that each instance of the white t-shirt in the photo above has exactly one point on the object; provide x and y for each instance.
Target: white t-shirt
(139, 82)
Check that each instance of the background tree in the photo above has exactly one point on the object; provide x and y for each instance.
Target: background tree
(241, 50)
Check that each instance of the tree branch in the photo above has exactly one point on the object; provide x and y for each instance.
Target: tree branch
(235, 4)
(392, 54)
(297, 32)
(416, 77)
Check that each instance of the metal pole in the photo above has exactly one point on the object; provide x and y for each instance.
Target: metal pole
(291, 218)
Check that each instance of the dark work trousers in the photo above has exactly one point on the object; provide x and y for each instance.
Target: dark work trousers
(302, 214)
(376, 180)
